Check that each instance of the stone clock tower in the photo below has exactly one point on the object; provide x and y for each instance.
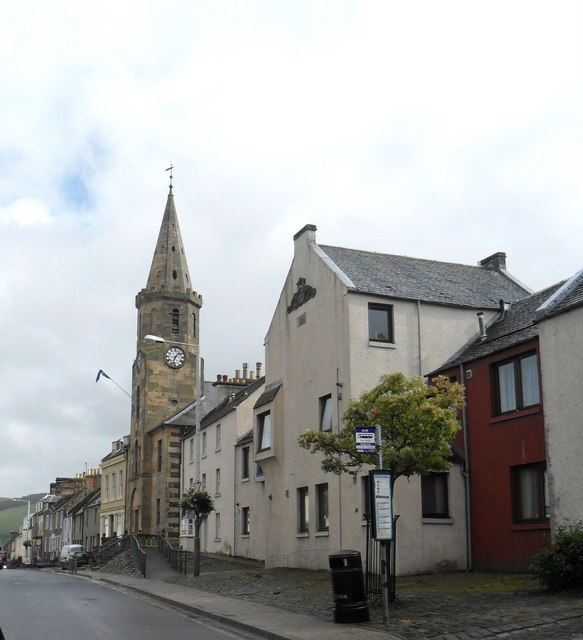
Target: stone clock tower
(164, 382)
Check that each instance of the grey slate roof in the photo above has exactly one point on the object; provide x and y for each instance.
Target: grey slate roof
(246, 437)
(269, 394)
(515, 325)
(231, 403)
(568, 297)
(426, 280)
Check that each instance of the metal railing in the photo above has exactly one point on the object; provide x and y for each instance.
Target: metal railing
(112, 547)
(177, 558)
(127, 542)
(138, 553)
(373, 581)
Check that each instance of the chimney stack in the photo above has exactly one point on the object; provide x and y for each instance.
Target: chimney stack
(495, 261)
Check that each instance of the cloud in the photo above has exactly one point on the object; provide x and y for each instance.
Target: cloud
(441, 130)
(25, 212)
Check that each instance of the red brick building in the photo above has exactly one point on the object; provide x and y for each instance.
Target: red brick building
(503, 438)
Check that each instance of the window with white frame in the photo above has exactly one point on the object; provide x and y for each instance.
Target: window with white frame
(326, 412)
(191, 449)
(303, 510)
(322, 506)
(245, 521)
(264, 420)
(217, 481)
(217, 527)
(120, 484)
(203, 444)
(203, 481)
(218, 437)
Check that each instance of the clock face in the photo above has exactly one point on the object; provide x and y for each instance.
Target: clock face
(175, 357)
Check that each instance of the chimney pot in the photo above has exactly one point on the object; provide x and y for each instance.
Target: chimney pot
(480, 315)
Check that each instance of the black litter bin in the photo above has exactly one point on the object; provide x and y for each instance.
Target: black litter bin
(350, 604)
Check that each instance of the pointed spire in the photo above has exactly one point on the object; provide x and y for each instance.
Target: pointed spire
(169, 270)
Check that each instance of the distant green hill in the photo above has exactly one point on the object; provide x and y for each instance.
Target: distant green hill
(13, 513)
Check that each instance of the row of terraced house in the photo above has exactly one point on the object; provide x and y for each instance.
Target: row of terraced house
(344, 318)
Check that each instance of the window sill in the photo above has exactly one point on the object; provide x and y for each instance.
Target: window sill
(532, 526)
(245, 479)
(520, 413)
(322, 534)
(382, 345)
(437, 520)
(245, 536)
(303, 534)
(263, 454)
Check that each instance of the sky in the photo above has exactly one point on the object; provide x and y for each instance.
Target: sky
(444, 130)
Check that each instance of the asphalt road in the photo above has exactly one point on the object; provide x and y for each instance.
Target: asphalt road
(44, 605)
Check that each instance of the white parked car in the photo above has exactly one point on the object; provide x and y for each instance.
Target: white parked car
(70, 551)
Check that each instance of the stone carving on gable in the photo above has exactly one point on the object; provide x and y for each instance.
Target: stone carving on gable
(304, 292)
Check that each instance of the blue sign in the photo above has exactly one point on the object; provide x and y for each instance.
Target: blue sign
(366, 439)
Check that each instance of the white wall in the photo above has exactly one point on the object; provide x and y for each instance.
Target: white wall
(561, 355)
(332, 346)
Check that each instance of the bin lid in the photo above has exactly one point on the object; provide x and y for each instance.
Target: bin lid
(344, 552)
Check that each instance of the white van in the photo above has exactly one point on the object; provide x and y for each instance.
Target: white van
(70, 551)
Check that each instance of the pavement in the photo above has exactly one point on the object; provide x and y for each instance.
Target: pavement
(295, 604)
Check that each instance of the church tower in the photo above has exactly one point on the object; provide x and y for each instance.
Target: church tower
(164, 382)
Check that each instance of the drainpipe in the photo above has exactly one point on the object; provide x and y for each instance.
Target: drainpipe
(338, 398)
(466, 475)
(235, 503)
(419, 335)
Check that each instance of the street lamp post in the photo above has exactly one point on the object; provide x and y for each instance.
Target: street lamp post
(21, 500)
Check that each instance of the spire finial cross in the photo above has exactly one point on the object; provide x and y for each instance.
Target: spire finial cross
(170, 169)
